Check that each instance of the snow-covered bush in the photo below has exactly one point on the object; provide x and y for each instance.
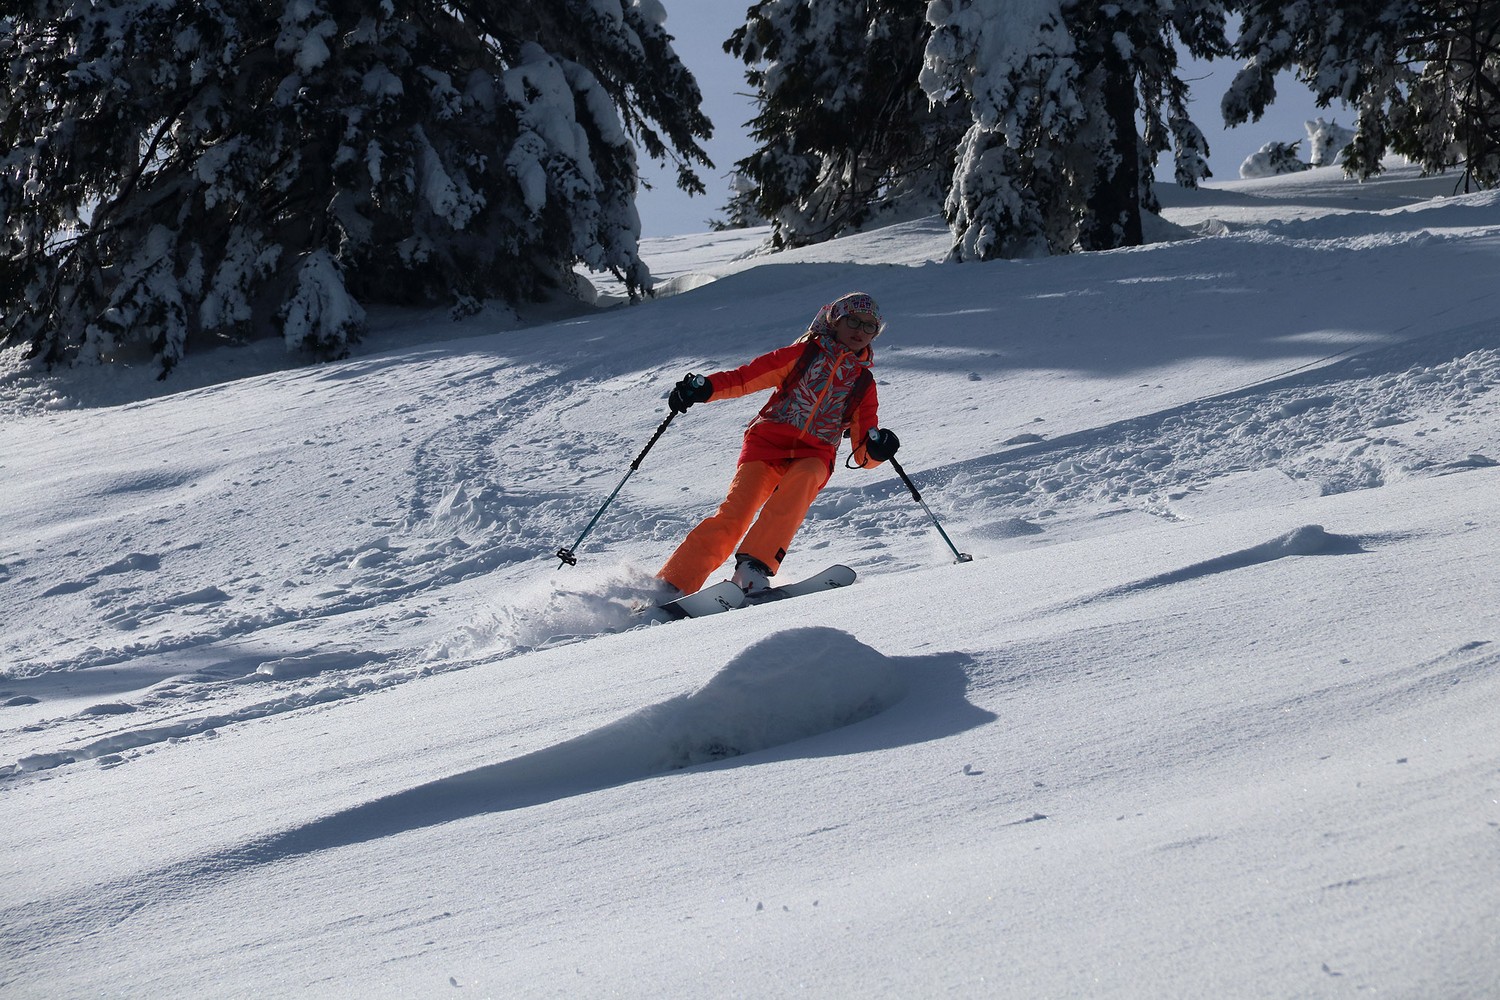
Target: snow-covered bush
(1326, 141)
(174, 171)
(1272, 160)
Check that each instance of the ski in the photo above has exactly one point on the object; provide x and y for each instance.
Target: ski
(723, 596)
(829, 579)
(726, 596)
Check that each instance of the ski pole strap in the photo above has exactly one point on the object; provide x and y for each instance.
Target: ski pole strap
(962, 557)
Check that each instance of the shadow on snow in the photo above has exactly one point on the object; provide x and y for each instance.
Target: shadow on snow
(802, 693)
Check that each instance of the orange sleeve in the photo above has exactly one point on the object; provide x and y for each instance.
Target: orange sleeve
(866, 416)
(765, 372)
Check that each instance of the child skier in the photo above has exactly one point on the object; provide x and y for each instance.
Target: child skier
(823, 388)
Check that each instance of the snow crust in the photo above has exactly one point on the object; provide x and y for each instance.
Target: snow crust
(295, 699)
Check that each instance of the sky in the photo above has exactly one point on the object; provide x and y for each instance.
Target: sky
(297, 701)
(700, 27)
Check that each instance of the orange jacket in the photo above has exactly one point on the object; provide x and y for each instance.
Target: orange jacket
(806, 415)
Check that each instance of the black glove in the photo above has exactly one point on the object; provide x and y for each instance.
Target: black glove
(692, 389)
(881, 445)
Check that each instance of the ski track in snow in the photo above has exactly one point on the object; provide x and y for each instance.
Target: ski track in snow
(1388, 417)
(1383, 426)
(468, 500)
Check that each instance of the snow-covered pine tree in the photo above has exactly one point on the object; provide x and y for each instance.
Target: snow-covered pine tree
(1112, 210)
(844, 132)
(1013, 64)
(1424, 76)
(742, 209)
(1052, 160)
(180, 169)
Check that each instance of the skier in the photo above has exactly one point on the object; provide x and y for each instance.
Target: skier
(823, 390)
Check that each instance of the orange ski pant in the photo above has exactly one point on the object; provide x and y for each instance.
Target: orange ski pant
(780, 491)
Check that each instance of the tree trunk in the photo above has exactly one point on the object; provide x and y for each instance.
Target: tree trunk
(1114, 208)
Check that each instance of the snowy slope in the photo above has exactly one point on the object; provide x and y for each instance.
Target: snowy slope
(296, 702)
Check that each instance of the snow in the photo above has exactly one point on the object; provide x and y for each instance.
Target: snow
(449, 197)
(321, 313)
(296, 700)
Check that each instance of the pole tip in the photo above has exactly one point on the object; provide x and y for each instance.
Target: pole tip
(964, 557)
(567, 557)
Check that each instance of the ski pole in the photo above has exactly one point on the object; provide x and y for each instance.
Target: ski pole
(567, 555)
(963, 557)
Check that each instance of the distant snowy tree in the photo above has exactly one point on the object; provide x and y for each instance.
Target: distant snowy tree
(1326, 141)
(173, 170)
(1424, 76)
(743, 208)
(1054, 158)
(1272, 160)
(844, 132)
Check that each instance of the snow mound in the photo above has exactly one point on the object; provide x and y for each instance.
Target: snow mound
(680, 283)
(788, 687)
(1307, 540)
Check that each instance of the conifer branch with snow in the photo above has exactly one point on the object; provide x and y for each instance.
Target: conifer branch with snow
(1054, 159)
(177, 172)
(845, 135)
(1423, 75)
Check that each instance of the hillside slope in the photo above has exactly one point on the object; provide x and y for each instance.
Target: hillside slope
(297, 702)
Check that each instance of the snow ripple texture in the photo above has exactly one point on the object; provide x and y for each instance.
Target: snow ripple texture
(1357, 424)
(779, 695)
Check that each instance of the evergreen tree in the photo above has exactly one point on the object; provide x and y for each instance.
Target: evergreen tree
(742, 209)
(1424, 76)
(844, 131)
(180, 169)
(1053, 160)
(1112, 208)
(1013, 65)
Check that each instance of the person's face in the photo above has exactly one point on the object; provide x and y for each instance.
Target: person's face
(856, 330)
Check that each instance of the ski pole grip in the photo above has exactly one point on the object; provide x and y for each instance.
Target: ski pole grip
(662, 429)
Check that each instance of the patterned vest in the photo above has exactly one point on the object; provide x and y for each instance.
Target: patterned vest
(821, 392)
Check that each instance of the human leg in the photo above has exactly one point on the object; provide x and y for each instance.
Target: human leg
(714, 540)
(772, 533)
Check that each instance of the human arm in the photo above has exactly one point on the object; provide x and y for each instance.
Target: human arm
(864, 421)
(764, 372)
